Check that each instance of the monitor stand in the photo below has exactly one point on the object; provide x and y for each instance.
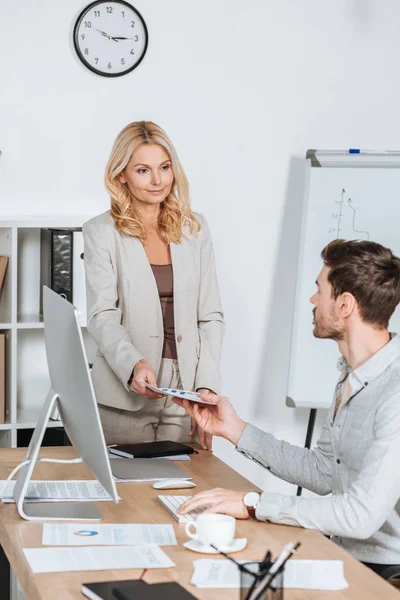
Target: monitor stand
(47, 511)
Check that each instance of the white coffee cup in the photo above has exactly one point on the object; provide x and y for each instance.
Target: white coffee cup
(215, 529)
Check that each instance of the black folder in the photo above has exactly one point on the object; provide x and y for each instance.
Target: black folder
(151, 449)
(104, 590)
(155, 591)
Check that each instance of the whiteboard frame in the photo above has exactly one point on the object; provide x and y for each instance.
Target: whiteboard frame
(322, 159)
(304, 213)
(345, 158)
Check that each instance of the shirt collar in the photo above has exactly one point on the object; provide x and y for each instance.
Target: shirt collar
(375, 365)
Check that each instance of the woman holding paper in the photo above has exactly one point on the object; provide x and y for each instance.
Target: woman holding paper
(154, 307)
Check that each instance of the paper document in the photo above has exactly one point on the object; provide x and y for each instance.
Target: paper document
(76, 534)
(184, 394)
(175, 457)
(215, 573)
(103, 558)
(315, 575)
(298, 574)
(59, 491)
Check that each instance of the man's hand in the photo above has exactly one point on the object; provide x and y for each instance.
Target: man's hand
(205, 439)
(143, 372)
(218, 500)
(220, 419)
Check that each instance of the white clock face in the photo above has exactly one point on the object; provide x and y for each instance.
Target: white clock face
(110, 38)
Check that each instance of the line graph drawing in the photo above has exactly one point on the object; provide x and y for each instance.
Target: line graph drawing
(342, 219)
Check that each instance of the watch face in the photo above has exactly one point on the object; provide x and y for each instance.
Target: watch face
(110, 38)
(251, 499)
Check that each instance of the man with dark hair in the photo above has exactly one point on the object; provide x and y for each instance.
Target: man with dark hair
(356, 459)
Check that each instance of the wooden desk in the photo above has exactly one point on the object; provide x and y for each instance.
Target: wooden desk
(139, 505)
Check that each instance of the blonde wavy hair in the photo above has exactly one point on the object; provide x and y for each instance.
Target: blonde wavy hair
(175, 211)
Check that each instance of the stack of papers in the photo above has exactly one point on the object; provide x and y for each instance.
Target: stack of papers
(298, 574)
(102, 558)
(59, 491)
(175, 457)
(78, 534)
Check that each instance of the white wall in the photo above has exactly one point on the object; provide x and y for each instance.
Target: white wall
(243, 89)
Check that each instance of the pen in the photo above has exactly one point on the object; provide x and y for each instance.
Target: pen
(287, 551)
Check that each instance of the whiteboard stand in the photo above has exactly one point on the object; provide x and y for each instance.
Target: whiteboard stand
(310, 431)
(349, 194)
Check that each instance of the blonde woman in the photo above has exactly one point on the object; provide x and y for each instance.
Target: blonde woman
(154, 307)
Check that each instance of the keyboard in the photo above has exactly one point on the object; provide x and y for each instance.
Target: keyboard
(172, 503)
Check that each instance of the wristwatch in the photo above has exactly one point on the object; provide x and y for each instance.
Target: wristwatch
(250, 500)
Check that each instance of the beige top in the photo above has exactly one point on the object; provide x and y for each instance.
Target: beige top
(164, 277)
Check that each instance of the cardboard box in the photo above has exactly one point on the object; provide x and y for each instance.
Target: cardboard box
(2, 377)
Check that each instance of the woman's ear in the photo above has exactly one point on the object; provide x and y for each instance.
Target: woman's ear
(121, 178)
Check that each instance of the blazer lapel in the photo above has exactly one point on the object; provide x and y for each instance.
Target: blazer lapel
(143, 278)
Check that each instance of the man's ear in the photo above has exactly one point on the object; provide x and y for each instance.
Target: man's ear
(347, 304)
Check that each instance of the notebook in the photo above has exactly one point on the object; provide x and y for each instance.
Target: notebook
(151, 449)
(103, 590)
(155, 591)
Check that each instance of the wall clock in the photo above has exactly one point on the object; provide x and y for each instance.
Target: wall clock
(110, 38)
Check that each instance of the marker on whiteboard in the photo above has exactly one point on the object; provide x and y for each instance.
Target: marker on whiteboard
(359, 151)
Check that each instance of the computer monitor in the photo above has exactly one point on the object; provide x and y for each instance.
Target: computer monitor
(72, 392)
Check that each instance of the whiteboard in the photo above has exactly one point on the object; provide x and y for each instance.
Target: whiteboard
(346, 201)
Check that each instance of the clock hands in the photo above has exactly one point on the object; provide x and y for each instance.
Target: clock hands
(111, 37)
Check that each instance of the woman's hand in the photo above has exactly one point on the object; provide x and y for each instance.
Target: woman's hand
(143, 372)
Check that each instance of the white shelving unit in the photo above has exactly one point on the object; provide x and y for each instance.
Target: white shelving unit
(27, 378)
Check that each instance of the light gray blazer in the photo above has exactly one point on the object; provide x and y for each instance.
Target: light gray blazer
(124, 312)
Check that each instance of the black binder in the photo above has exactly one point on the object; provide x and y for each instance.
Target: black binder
(56, 246)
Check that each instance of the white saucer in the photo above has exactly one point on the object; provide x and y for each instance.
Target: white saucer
(236, 545)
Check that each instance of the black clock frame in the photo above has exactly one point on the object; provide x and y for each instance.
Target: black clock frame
(79, 53)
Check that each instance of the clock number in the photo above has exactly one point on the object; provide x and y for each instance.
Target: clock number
(86, 50)
(122, 61)
(88, 24)
(96, 13)
(109, 65)
(132, 52)
(109, 9)
(132, 23)
(96, 60)
(136, 38)
(123, 13)
(82, 36)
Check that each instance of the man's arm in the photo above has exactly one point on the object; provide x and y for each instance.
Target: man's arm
(311, 469)
(361, 510)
